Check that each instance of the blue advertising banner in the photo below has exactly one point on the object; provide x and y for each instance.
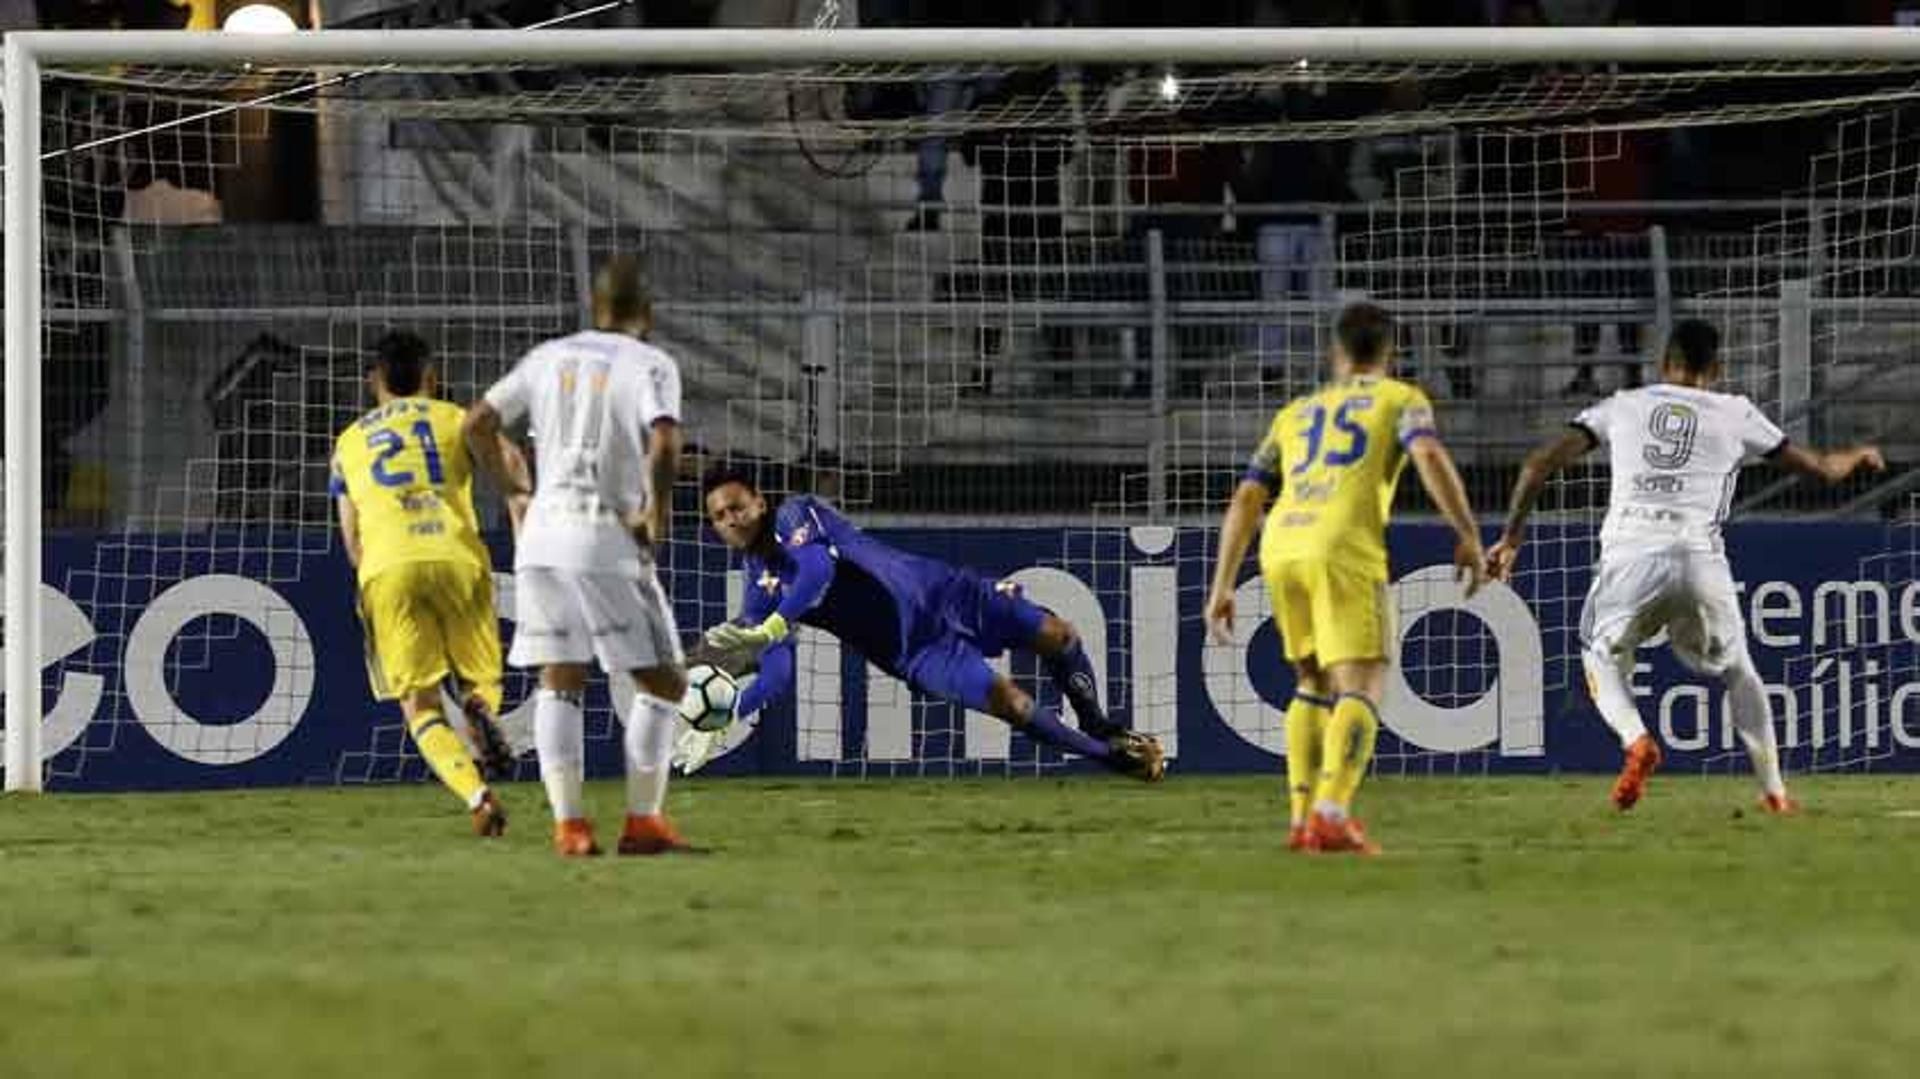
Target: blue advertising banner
(219, 659)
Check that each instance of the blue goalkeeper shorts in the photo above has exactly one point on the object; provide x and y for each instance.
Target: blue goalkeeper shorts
(982, 619)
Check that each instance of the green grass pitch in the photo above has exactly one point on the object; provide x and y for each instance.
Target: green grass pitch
(1516, 928)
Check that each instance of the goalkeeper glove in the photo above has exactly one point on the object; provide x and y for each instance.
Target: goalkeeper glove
(695, 748)
(730, 637)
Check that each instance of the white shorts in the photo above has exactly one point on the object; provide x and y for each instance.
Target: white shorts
(1688, 593)
(561, 616)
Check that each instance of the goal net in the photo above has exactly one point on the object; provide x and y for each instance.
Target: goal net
(1029, 317)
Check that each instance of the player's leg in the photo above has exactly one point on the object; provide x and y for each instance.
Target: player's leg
(550, 632)
(1000, 617)
(649, 750)
(1306, 724)
(1352, 633)
(447, 755)
(1710, 637)
(1346, 750)
(1753, 719)
(1291, 599)
(1065, 660)
(648, 645)
(953, 669)
(1625, 606)
(559, 739)
(411, 652)
(472, 632)
(1125, 752)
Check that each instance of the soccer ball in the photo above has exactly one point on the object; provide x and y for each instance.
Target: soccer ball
(711, 695)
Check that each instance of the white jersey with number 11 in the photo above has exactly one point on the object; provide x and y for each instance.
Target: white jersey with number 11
(591, 399)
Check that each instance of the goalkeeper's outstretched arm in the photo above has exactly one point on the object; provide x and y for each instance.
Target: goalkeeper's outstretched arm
(771, 681)
(763, 624)
(771, 664)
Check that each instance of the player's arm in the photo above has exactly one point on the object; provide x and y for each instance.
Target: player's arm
(349, 529)
(1541, 465)
(349, 515)
(495, 457)
(519, 481)
(1827, 466)
(1241, 522)
(663, 467)
(770, 682)
(1419, 437)
(1442, 482)
(812, 576)
(662, 404)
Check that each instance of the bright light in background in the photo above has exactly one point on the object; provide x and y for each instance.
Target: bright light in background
(1169, 87)
(259, 19)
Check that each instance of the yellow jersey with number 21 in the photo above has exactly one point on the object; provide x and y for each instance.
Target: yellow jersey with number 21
(406, 469)
(1335, 457)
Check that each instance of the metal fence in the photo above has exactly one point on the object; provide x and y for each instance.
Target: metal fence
(953, 384)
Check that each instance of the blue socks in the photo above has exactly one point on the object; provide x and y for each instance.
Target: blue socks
(1073, 673)
(1044, 726)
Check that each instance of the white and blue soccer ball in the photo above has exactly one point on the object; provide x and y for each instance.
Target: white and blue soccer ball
(711, 696)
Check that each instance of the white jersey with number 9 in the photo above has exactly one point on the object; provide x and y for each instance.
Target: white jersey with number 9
(591, 399)
(1676, 454)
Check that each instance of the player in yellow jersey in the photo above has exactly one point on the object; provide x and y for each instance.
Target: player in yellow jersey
(1334, 458)
(403, 482)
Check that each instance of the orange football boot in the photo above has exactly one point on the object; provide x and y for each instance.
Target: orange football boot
(1327, 836)
(489, 819)
(1297, 838)
(652, 834)
(1779, 805)
(1643, 757)
(573, 838)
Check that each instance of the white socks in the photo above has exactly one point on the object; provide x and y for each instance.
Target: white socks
(649, 746)
(1753, 718)
(1607, 681)
(1746, 698)
(559, 736)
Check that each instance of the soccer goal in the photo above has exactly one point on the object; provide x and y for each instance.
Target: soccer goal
(1022, 300)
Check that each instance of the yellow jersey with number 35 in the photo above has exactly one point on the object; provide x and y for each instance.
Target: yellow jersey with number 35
(407, 470)
(1335, 457)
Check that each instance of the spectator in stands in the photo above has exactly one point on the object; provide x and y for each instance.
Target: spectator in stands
(1615, 167)
(1603, 166)
(1293, 246)
(1168, 174)
(937, 97)
(1419, 173)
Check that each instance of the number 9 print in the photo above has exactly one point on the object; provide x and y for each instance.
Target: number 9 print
(1672, 427)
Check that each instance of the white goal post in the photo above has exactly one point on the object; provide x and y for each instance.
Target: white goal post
(27, 54)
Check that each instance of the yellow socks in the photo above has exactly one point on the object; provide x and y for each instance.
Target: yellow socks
(1306, 731)
(447, 755)
(1345, 752)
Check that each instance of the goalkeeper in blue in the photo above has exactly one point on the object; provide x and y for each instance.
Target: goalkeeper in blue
(929, 624)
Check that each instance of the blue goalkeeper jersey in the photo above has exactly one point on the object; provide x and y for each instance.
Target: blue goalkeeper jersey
(892, 606)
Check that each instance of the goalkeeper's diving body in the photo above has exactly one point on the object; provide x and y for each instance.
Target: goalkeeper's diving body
(927, 623)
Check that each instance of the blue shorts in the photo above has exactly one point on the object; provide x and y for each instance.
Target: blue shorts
(983, 619)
